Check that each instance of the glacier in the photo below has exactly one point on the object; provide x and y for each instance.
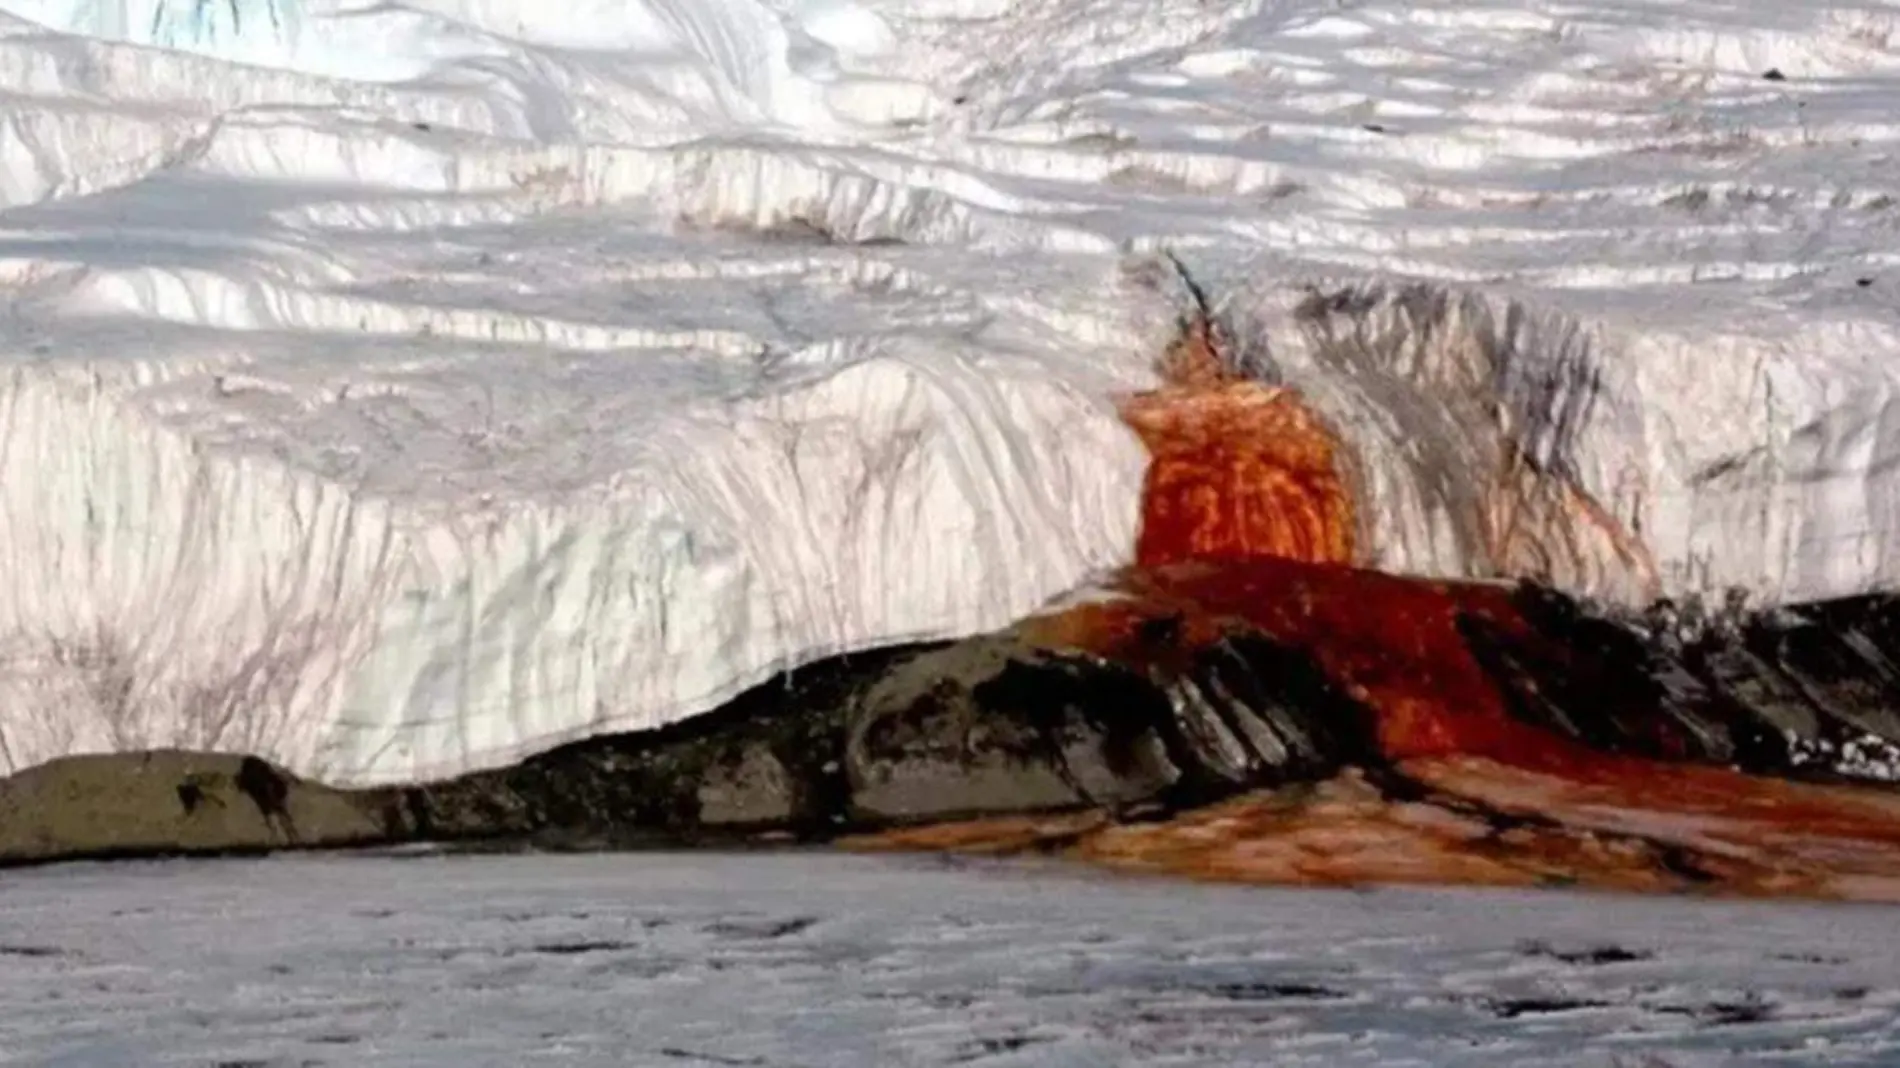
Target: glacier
(393, 390)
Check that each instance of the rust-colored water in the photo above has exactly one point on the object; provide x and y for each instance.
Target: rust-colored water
(1248, 524)
(1238, 470)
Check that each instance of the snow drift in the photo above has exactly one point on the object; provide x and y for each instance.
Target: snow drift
(394, 390)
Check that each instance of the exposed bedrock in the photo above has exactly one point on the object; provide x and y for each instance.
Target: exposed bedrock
(1160, 700)
(991, 725)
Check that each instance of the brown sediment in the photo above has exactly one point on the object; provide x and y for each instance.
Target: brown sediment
(1815, 836)
(1347, 832)
(994, 834)
(1479, 823)
(1487, 823)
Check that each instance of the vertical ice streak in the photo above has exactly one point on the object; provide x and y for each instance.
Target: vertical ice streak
(242, 30)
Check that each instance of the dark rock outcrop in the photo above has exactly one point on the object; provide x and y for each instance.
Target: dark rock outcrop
(984, 726)
(1788, 692)
(1002, 725)
(874, 740)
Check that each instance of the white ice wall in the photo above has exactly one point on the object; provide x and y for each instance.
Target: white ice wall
(416, 385)
(160, 595)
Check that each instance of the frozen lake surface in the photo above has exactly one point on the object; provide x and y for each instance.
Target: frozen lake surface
(793, 960)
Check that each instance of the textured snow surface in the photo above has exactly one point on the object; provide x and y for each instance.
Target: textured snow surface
(803, 961)
(394, 389)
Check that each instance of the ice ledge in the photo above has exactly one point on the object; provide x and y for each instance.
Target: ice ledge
(1617, 446)
(161, 593)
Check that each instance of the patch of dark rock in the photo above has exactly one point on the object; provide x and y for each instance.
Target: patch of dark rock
(1026, 733)
(678, 1053)
(1160, 633)
(1715, 685)
(1681, 863)
(30, 951)
(1274, 992)
(1852, 993)
(1840, 656)
(1598, 681)
(762, 931)
(1773, 74)
(629, 790)
(1593, 955)
(1283, 711)
(1512, 1008)
(406, 812)
(1729, 1013)
(336, 1039)
(1863, 282)
(1750, 1009)
(575, 949)
(269, 790)
(991, 727)
(1807, 958)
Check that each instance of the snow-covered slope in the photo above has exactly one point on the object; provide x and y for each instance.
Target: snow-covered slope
(396, 389)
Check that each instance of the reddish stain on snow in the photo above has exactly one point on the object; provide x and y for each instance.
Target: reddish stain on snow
(1246, 520)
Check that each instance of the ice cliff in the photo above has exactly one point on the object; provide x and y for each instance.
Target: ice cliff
(398, 389)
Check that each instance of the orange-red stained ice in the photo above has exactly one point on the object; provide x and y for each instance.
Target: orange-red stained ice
(1247, 521)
